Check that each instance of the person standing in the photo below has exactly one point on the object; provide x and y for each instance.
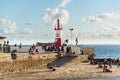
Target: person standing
(110, 63)
(20, 45)
(58, 52)
(118, 62)
(62, 50)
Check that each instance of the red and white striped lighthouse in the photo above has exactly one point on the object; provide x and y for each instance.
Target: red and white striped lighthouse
(58, 38)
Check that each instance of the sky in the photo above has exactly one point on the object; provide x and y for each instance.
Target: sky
(31, 21)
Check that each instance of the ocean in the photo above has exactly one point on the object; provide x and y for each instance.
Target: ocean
(106, 51)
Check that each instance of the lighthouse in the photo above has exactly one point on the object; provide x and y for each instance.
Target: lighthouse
(58, 38)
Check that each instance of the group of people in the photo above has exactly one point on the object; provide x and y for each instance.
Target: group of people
(20, 46)
(33, 50)
(6, 47)
(106, 64)
(105, 67)
(49, 48)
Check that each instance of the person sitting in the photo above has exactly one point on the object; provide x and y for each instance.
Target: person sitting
(105, 69)
(51, 67)
(100, 65)
(13, 54)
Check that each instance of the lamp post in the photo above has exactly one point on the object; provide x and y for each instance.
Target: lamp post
(71, 29)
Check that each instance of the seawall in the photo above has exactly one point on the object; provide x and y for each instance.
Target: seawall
(25, 62)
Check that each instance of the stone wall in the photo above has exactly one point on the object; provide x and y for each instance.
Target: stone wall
(24, 62)
(88, 51)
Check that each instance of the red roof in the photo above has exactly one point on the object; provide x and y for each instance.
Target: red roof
(44, 44)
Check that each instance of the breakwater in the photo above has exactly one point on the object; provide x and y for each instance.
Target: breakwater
(25, 62)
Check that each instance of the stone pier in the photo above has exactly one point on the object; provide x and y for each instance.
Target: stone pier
(25, 62)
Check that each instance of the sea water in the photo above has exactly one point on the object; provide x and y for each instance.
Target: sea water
(106, 51)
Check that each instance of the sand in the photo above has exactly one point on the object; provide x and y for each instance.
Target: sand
(69, 71)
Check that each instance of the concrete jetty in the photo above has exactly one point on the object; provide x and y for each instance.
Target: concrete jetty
(26, 62)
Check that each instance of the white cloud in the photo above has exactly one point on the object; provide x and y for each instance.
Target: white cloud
(112, 15)
(64, 3)
(9, 29)
(101, 17)
(64, 16)
(102, 33)
(27, 31)
(106, 33)
(7, 26)
(51, 16)
(92, 19)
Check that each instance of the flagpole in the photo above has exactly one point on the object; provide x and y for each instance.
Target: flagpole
(71, 29)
